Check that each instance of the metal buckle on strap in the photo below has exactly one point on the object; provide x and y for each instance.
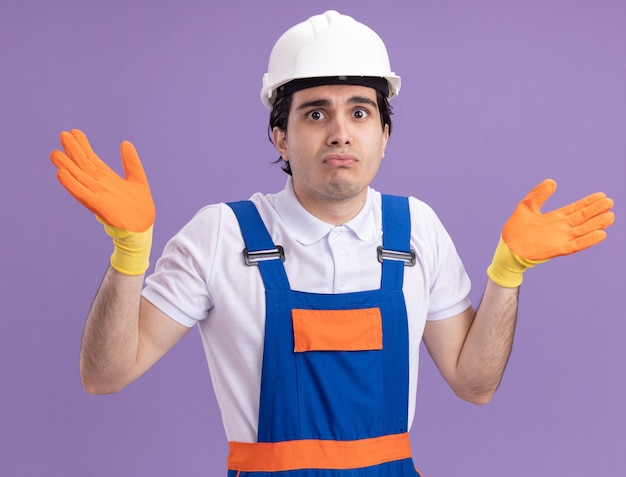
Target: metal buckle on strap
(409, 258)
(253, 258)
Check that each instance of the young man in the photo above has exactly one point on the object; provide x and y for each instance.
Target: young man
(312, 302)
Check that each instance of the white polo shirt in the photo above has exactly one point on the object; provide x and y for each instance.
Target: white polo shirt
(202, 279)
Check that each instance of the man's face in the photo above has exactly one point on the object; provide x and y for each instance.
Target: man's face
(334, 144)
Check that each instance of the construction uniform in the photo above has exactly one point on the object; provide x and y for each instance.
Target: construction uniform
(335, 375)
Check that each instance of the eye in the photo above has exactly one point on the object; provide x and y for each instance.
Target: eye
(360, 113)
(315, 115)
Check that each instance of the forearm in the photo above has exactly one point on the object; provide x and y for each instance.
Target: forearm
(110, 341)
(486, 350)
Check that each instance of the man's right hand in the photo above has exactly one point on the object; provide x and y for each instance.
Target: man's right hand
(123, 205)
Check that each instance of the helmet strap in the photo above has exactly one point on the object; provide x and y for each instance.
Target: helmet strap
(379, 84)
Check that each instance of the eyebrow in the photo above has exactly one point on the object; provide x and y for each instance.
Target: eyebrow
(319, 103)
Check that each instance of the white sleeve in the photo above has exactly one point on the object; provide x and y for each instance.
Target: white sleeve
(178, 286)
(448, 281)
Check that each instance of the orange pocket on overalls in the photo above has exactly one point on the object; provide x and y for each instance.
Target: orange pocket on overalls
(337, 330)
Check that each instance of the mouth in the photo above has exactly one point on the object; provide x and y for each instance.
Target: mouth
(340, 160)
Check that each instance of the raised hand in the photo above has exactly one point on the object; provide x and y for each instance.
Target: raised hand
(534, 235)
(124, 203)
(530, 236)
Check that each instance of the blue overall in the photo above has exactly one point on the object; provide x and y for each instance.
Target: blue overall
(333, 395)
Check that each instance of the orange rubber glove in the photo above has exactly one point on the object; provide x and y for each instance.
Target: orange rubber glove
(530, 236)
(123, 205)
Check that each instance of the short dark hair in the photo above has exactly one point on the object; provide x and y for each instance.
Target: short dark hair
(279, 115)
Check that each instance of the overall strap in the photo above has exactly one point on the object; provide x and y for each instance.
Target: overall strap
(396, 252)
(260, 249)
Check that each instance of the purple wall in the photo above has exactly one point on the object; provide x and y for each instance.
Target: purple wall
(496, 96)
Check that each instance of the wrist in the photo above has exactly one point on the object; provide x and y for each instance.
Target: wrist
(131, 250)
(507, 268)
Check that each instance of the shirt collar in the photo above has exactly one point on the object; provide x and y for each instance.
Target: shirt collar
(308, 229)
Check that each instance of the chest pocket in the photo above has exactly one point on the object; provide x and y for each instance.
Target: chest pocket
(339, 368)
(337, 330)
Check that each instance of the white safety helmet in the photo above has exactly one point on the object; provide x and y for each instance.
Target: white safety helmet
(328, 49)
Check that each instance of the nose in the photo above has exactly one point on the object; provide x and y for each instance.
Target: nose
(339, 132)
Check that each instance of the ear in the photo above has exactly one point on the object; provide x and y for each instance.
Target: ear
(279, 138)
(385, 139)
